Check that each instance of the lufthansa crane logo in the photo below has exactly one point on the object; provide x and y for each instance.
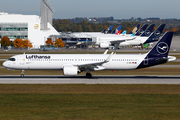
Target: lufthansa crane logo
(141, 31)
(148, 33)
(162, 48)
(157, 33)
(36, 26)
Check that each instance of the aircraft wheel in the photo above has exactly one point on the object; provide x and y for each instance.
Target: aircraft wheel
(88, 75)
(22, 75)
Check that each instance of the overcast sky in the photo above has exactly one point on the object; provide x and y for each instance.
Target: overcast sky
(119, 9)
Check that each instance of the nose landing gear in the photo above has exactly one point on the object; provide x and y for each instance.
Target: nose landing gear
(22, 73)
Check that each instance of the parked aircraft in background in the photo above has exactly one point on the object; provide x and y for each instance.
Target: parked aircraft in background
(134, 31)
(117, 30)
(72, 64)
(144, 38)
(104, 41)
(109, 30)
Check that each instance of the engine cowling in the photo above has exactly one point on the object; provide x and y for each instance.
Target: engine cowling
(104, 45)
(124, 44)
(70, 70)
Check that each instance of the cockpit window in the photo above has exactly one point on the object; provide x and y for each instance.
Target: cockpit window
(12, 59)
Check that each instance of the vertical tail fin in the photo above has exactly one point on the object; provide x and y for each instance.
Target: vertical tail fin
(124, 33)
(161, 49)
(116, 30)
(118, 33)
(135, 29)
(109, 30)
(148, 31)
(159, 53)
(156, 34)
(141, 30)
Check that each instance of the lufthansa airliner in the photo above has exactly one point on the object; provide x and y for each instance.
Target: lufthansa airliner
(72, 64)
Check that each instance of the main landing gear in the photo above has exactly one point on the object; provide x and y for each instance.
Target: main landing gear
(22, 73)
(88, 75)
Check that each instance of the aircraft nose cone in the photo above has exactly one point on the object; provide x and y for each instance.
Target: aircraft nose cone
(4, 64)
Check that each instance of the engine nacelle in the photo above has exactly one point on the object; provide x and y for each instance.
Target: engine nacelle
(124, 44)
(70, 70)
(104, 45)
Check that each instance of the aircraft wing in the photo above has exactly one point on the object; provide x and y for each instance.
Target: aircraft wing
(97, 65)
(120, 40)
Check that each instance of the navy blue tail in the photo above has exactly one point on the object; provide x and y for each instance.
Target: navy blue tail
(141, 30)
(162, 47)
(159, 53)
(109, 30)
(148, 31)
(156, 34)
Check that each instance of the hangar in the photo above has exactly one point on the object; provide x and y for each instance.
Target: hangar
(35, 28)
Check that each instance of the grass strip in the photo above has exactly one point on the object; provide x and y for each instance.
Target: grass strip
(87, 102)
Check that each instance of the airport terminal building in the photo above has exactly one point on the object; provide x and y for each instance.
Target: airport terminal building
(32, 27)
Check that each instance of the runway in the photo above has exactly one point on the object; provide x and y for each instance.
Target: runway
(97, 79)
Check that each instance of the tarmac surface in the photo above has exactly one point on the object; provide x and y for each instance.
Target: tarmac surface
(97, 79)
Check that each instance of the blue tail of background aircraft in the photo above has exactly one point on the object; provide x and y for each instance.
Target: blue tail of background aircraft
(159, 53)
(103, 31)
(116, 30)
(109, 30)
(156, 34)
(135, 29)
(141, 30)
(148, 31)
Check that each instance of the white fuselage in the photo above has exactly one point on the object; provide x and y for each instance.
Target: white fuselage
(105, 38)
(58, 61)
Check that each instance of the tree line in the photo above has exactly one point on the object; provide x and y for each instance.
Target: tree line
(57, 43)
(63, 25)
(24, 44)
(17, 43)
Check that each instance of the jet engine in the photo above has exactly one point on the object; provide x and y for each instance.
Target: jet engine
(70, 70)
(104, 45)
(124, 44)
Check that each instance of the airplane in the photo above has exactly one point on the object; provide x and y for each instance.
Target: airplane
(109, 30)
(134, 31)
(72, 64)
(117, 30)
(145, 38)
(141, 30)
(104, 41)
(123, 33)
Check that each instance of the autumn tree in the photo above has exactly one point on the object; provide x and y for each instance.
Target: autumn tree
(175, 30)
(5, 41)
(18, 43)
(49, 41)
(26, 44)
(59, 43)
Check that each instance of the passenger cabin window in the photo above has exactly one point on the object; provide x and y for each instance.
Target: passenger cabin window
(12, 59)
